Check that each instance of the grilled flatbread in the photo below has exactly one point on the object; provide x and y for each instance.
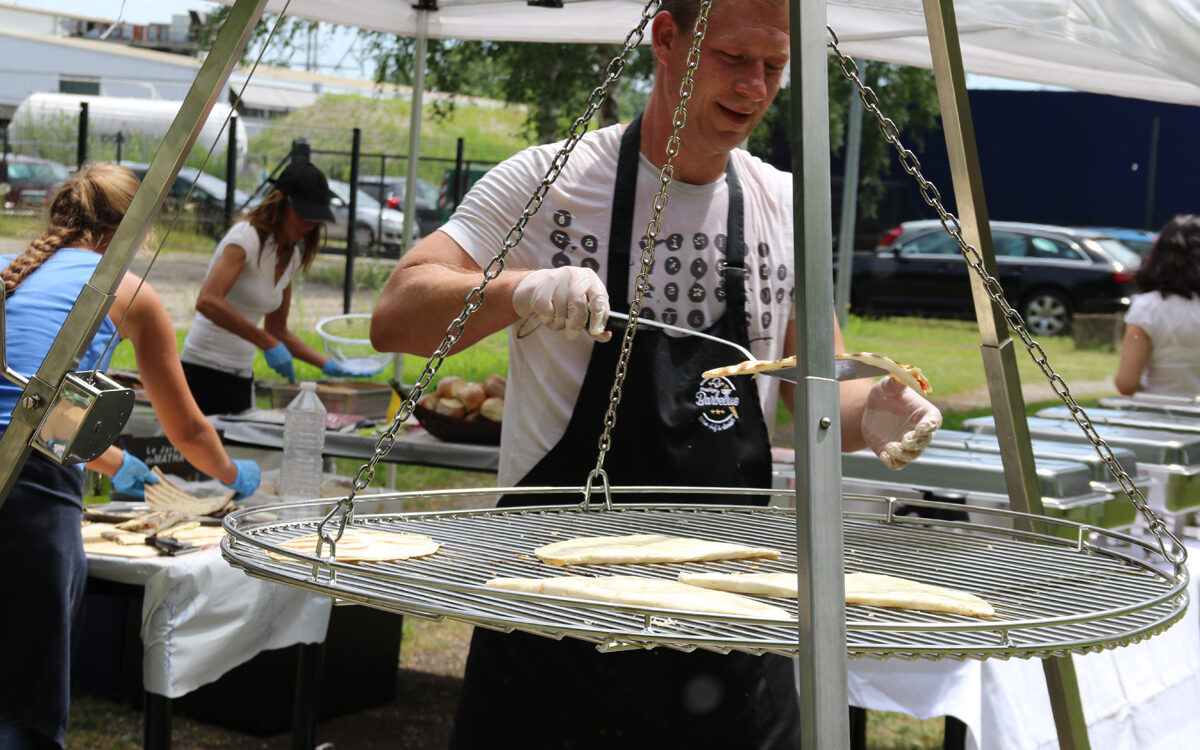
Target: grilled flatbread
(366, 545)
(867, 589)
(907, 374)
(645, 592)
(166, 495)
(875, 590)
(644, 549)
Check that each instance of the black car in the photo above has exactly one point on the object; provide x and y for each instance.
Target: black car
(204, 207)
(1048, 274)
(390, 192)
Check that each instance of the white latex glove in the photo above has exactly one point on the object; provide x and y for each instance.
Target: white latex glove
(898, 423)
(568, 299)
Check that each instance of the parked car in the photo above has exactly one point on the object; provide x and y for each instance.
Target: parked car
(204, 207)
(373, 221)
(30, 181)
(390, 191)
(1048, 273)
(1137, 240)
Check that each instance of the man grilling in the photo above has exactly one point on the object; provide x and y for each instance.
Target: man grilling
(724, 266)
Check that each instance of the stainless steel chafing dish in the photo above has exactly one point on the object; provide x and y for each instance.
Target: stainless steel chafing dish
(1119, 512)
(976, 478)
(1188, 406)
(1170, 459)
(1148, 419)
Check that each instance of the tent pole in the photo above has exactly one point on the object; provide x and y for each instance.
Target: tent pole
(853, 155)
(821, 627)
(999, 354)
(414, 127)
(97, 295)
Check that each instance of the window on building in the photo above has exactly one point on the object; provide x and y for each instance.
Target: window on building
(87, 87)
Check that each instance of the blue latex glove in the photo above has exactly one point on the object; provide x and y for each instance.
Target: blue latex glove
(246, 481)
(132, 476)
(355, 368)
(280, 360)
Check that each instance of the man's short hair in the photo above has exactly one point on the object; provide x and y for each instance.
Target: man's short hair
(683, 11)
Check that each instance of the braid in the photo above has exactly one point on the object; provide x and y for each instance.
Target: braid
(35, 255)
(84, 213)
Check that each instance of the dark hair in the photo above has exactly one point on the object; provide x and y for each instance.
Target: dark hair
(267, 219)
(1172, 264)
(84, 212)
(683, 11)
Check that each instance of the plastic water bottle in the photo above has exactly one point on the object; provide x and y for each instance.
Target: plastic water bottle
(303, 442)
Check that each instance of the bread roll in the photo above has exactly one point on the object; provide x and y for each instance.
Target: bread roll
(493, 409)
(445, 386)
(494, 385)
(451, 407)
(428, 401)
(472, 396)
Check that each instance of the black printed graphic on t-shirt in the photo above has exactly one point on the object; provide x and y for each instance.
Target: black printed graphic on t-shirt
(671, 291)
(589, 243)
(672, 265)
(699, 241)
(674, 242)
(696, 319)
(697, 293)
(763, 249)
(591, 263)
(562, 218)
(560, 259)
(764, 294)
(698, 268)
(670, 316)
(560, 239)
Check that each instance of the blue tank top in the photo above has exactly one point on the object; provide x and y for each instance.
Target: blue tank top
(35, 313)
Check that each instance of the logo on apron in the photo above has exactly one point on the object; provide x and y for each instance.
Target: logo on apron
(718, 402)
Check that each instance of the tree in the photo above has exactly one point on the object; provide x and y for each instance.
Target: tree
(553, 80)
(908, 96)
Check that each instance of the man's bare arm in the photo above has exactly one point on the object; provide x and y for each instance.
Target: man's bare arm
(428, 289)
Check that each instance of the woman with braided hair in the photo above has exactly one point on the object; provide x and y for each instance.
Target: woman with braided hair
(40, 520)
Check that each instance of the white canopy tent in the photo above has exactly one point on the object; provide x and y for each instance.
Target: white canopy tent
(1148, 49)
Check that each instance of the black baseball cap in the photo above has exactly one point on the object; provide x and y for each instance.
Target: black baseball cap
(307, 191)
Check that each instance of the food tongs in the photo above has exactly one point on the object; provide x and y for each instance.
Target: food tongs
(843, 369)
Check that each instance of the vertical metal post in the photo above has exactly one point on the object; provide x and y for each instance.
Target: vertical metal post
(821, 630)
(348, 283)
(1152, 172)
(999, 357)
(853, 153)
(81, 143)
(97, 295)
(414, 128)
(120, 141)
(231, 169)
(459, 177)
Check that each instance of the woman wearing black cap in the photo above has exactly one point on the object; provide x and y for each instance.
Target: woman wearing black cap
(249, 282)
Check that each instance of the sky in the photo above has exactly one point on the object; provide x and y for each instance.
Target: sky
(335, 44)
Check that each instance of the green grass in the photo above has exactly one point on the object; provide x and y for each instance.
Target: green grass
(181, 238)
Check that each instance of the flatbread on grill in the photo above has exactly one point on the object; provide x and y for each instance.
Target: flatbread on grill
(907, 374)
(875, 590)
(644, 549)
(644, 592)
(866, 589)
(365, 545)
(166, 495)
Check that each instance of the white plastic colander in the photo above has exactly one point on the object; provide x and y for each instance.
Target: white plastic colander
(346, 339)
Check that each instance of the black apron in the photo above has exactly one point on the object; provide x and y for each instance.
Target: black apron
(41, 554)
(673, 428)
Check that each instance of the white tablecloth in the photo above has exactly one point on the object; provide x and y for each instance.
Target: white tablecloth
(1141, 697)
(201, 617)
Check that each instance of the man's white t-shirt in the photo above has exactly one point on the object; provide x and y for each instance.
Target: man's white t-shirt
(546, 368)
(253, 295)
(1173, 323)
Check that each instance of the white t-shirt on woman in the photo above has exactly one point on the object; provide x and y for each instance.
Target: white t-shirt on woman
(253, 295)
(1173, 324)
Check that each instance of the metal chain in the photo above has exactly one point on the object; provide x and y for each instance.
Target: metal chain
(344, 509)
(910, 164)
(665, 176)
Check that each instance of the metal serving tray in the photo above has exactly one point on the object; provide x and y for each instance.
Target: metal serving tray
(1146, 419)
(977, 478)
(1119, 513)
(1188, 406)
(1170, 459)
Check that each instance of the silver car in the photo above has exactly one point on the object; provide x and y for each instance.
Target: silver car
(373, 222)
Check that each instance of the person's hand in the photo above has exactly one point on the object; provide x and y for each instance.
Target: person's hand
(132, 477)
(280, 360)
(898, 423)
(335, 369)
(568, 299)
(246, 481)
